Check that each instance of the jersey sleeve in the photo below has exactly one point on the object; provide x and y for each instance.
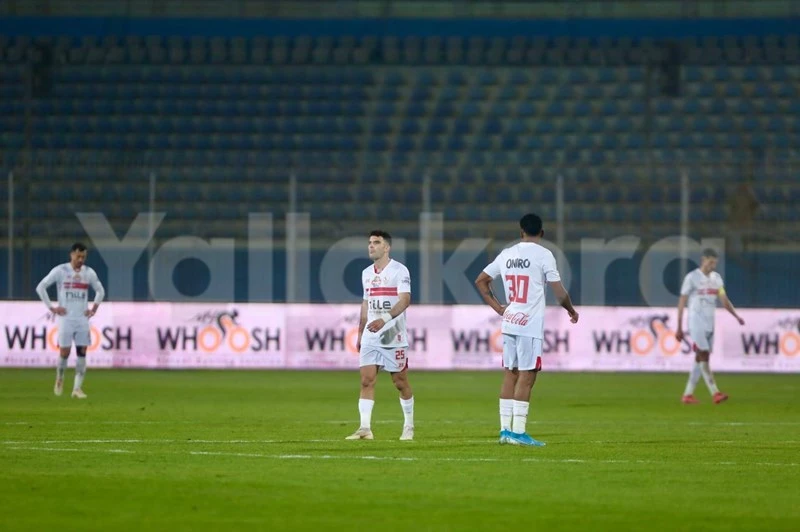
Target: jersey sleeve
(365, 286)
(41, 289)
(550, 269)
(688, 286)
(493, 269)
(404, 282)
(99, 291)
(720, 284)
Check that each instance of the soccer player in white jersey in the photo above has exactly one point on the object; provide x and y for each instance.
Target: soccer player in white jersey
(382, 336)
(73, 280)
(701, 288)
(524, 268)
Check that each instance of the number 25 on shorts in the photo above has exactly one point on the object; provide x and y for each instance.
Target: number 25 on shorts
(518, 289)
(400, 354)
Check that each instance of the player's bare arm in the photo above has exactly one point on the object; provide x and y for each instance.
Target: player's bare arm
(681, 306)
(723, 297)
(362, 322)
(403, 301)
(562, 296)
(484, 284)
(99, 295)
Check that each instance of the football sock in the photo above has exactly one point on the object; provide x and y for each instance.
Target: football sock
(506, 412)
(61, 369)
(80, 372)
(408, 411)
(520, 416)
(365, 409)
(694, 378)
(709, 378)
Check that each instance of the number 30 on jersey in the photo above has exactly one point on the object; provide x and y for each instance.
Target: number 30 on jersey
(517, 288)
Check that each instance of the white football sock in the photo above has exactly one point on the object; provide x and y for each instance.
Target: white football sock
(506, 413)
(709, 378)
(408, 411)
(61, 369)
(520, 416)
(365, 409)
(80, 373)
(694, 378)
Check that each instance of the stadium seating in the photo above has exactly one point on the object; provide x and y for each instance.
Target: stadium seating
(222, 123)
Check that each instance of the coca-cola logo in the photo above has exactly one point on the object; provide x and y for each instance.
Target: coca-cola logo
(518, 318)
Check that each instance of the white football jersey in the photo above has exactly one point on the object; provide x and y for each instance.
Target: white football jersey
(524, 268)
(73, 289)
(381, 292)
(703, 292)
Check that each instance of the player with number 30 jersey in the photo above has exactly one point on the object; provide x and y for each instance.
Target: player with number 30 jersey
(524, 268)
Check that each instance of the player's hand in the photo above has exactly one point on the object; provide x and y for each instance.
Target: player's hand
(59, 310)
(740, 320)
(502, 310)
(89, 313)
(358, 345)
(573, 316)
(679, 335)
(376, 325)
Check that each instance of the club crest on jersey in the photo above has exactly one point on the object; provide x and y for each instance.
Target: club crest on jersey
(376, 281)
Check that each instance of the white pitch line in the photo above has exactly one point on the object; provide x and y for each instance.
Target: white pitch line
(49, 449)
(340, 440)
(406, 458)
(222, 442)
(80, 422)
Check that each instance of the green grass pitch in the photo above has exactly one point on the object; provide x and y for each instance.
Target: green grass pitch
(201, 450)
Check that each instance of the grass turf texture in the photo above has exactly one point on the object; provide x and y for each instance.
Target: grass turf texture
(266, 450)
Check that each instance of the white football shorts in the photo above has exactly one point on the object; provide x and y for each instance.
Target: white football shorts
(77, 331)
(391, 359)
(702, 338)
(522, 352)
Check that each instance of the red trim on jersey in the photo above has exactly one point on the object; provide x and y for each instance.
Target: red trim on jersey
(383, 291)
(79, 286)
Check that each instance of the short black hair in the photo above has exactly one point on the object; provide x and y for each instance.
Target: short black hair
(78, 246)
(383, 234)
(710, 253)
(531, 224)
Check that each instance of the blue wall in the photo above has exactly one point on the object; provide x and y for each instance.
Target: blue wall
(754, 280)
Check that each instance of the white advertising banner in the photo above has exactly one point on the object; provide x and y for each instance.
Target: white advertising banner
(465, 337)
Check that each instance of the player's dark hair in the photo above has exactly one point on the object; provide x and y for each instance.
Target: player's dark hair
(710, 253)
(78, 246)
(531, 224)
(383, 234)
